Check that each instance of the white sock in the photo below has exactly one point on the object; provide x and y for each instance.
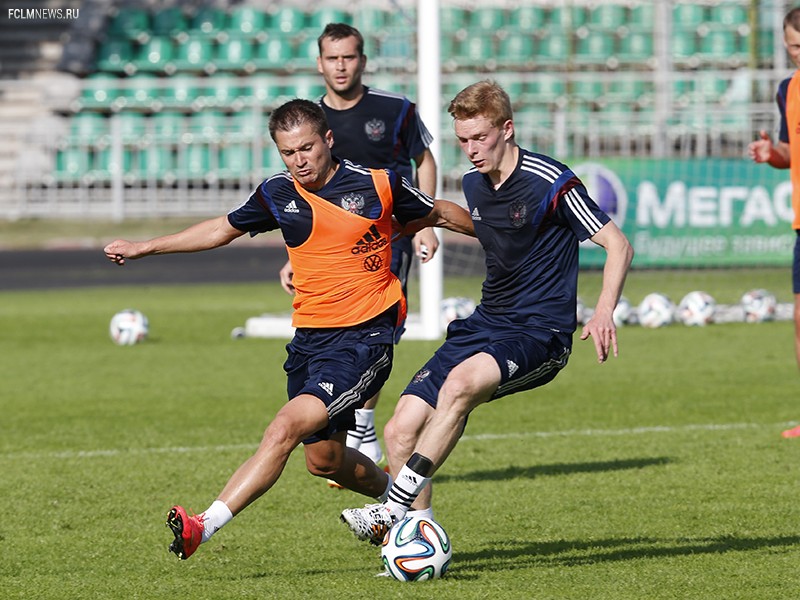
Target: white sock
(405, 490)
(423, 513)
(215, 517)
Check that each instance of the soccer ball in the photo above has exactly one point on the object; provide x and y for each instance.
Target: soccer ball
(622, 312)
(455, 308)
(580, 311)
(656, 310)
(697, 308)
(128, 327)
(416, 549)
(758, 305)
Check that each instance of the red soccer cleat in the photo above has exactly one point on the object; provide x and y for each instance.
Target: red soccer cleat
(188, 532)
(792, 433)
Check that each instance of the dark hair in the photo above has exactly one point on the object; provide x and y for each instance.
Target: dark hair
(792, 19)
(484, 98)
(340, 31)
(295, 113)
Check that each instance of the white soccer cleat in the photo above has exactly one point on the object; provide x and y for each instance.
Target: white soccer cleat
(371, 523)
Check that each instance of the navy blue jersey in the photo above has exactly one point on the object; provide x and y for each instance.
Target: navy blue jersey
(382, 131)
(276, 204)
(530, 229)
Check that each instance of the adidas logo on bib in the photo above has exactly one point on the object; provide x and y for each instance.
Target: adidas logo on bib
(291, 208)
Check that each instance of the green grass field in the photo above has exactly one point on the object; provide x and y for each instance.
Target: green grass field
(661, 474)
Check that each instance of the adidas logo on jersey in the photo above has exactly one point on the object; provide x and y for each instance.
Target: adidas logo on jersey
(371, 241)
(476, 216)
(291, 208)
(328, 387)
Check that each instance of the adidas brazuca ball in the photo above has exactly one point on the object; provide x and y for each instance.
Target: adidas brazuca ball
(656, 310)
(416, 549)
(758, 305)
(128, 327)
(697, 309)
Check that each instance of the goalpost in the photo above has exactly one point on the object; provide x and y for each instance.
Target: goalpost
(424, 325)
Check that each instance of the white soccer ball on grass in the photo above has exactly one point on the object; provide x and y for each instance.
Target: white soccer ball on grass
(656, 310)
(416, 549)
(128, 327)
(697, 309)
(758, 305)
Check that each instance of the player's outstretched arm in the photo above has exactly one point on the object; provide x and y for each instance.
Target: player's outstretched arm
(619, 254)
(446, 214)
(206, 235)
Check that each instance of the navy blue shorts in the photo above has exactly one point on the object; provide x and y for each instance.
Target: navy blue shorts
(796, 265)
(527, 359)
(342, 367)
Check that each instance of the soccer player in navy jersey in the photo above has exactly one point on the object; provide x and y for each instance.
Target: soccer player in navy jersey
(530, 214)
(381, 130)
(347, 305)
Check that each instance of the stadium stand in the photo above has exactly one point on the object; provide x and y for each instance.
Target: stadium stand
(177, 93)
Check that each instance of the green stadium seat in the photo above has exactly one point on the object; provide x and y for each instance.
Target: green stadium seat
(683, 44)
(552, 49)
(636, 47)
(288, 20)
(169, 22)
(688, 14)
(547, 87)
(141, 91)
(167, 125)
(396, 50)
(235, 54)
(306, 87)
(370, 20)
(566, 16)
(104, 167)
(485, 19)
(274, 54)
(259, 90)
(72, 163)
(642, 15)
(607, 15)
(718, 45)
(130, 23)
(235, 160)
(306, 54)
(194, 55)
(729, 14)
(323, 15)
(156, 161)
(247, 21)
(208, 21)
(88, 127)
(132, 125)
(181, 92)
(453, 20)
(516, 50)
(247, 124)
(595, 47)
(209, 124)
(156, 56)
(527, 18)
(477, 51)
(100, 90)
(587, 90)
(193, 161)
(710, 88)
(115, 55)
(627, 89)
(223, 91)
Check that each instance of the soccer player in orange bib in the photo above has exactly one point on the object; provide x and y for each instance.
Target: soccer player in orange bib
(347, 305)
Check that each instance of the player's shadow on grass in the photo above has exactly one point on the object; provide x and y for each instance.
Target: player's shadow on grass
(510, 555)
(515, 472)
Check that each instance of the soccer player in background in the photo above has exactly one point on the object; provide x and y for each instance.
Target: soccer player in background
(786, 155)
(347, 305)
(380, 130)
(530, 214)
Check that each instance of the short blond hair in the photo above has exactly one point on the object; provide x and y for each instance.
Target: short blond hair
(484, 98)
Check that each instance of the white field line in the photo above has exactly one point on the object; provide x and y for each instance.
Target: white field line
(79, 454)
